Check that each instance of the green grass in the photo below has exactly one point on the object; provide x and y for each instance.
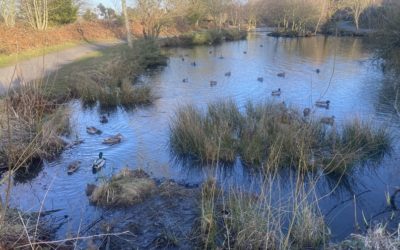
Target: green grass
(8, 60)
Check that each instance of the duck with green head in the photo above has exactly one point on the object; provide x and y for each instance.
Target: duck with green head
(99, 162)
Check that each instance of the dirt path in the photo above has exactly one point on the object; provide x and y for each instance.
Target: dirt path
(38, 67)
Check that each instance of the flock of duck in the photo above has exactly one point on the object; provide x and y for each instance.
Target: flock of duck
(100, 161)
(277, 92)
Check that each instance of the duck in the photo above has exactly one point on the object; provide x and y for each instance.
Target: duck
(260, 79)
(221, 57)
(276, 92)
(213, 83)
(228, 73)
(93, 131)
(317, 71)
(210, 52)
(115, 139)
(185, 80)
(193, 64)
(328, 120)
(261, 45)
(244, 52)
(73, 167)
(306, 112)
(322, 104)
(282, 74)
(99, 162)
(183, 59)
(103, 119)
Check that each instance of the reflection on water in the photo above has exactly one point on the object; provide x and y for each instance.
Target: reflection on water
(347, 78)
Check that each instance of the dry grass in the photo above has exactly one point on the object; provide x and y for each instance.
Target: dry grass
(124, 189)
(234, 219)
(31, 125)
(375, 238)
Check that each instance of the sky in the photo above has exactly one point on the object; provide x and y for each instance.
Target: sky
(107, 3)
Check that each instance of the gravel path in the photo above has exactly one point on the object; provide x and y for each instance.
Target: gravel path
(38, 67)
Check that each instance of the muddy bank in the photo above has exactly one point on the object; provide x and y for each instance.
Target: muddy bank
(163, 218)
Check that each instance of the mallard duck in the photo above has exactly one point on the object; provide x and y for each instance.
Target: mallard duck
(115, 139)
(322, 104)
(73, 167)
(276, 92)
(306, 112)
(228, 73)
(282, 74)
(93, 131)
(260, 79)
(213, 83)
(103, 119)
(99, 162)
(328, 120)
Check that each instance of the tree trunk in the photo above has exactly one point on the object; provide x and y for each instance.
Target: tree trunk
(127, 26)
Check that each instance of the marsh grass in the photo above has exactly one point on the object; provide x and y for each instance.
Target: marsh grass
(109, 77)
(377, 237)
(123, 189)
(31, 125)
(235, 219)
(272, 136)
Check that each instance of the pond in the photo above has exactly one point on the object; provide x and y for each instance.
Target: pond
(348, 77)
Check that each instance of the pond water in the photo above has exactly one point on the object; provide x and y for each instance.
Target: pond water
(348, 77)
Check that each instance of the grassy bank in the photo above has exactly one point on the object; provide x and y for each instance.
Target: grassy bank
(108, 76)
(272, 136)
(205, 37)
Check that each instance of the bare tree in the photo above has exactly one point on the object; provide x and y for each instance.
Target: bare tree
(36, 13)
(127, 25)
(8, 12)
(357, 7)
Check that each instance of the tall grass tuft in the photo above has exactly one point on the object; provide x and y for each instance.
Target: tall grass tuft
(271, 137)
(242, 220)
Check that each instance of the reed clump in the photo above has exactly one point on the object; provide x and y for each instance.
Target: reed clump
(272, 136)
(123, 189)
(234, 219)
(31, 125)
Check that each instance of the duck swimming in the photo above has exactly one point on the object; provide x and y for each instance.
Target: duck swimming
(99, 162)
(322, 104)
(115, 139)
(306, 112)
(260, 79)
(276, 92)
(228, 73)
(213, 83)
(93, 131)
(282, 74)
(73, 167)
(328, 120)
(103, 119)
